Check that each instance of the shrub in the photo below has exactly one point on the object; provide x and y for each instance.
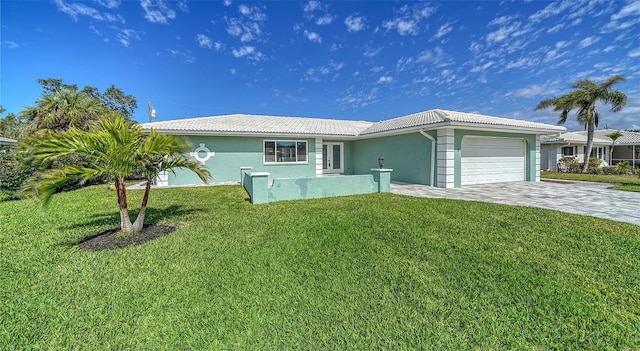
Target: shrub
(594, 166)
(623, 167)
(14, 172)
(569, 165)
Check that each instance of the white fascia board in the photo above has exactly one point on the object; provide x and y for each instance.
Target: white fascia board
(253, 134)
(466, 126)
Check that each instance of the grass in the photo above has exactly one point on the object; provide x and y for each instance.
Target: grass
(378, 271)
(622, 182)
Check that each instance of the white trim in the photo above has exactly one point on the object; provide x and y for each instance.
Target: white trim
(329, 169)
(318, 149)
(446, 158)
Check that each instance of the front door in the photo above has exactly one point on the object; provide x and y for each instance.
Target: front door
(332, 158)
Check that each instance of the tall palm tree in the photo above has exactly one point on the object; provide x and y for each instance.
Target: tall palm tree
(584, 99)
(613, 136)
(63, 109)
(116, 148)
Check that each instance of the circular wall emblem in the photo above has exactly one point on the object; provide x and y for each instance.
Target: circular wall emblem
(202, 153)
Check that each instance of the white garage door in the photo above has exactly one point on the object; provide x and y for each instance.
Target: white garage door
(492, 160)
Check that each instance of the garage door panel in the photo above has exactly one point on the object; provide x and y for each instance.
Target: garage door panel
(491, 160)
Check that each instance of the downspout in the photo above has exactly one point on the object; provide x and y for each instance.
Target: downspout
(433, 155)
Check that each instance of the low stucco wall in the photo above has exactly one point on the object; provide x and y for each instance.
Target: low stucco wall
(282, 189)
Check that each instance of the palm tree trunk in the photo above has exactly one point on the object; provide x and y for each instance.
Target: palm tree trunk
(591, 126)
(139, 223)
(125, 221)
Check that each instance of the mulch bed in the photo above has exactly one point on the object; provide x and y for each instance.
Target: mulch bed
(110, 240)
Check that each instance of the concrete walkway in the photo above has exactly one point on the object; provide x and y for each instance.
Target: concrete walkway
(585, 198)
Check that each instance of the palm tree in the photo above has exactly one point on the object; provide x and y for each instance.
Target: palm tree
(63, 109)
(584, 99)
(116, 148)
(613, 136)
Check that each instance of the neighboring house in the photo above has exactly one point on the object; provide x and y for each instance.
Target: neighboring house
(7, 142)
(436, 147)
(574, 144)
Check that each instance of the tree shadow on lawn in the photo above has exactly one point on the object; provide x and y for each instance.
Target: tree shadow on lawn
(113, 239)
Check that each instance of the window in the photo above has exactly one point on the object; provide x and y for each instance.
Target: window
(567, 151)
(285, 151)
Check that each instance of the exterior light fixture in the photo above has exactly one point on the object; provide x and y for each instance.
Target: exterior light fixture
(381, 161)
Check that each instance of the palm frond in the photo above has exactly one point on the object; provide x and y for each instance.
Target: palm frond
(44, 185)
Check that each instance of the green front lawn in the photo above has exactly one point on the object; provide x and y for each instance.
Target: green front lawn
(622, 182)
(378, 271)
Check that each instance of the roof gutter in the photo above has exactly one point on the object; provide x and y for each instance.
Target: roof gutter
(433, 155)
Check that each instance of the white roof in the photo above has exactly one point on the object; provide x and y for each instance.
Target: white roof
(431, 117)
(7, 141)
(278, 125)
(599, 137)
(258, 124)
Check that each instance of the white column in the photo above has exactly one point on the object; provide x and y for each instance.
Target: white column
(446, 158)
(318, 157)
(537, 158)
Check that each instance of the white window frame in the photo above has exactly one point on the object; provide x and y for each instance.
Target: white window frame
(276, 162)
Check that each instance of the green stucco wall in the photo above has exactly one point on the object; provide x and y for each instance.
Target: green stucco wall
(530, 152)
(409, 155)
(231, 153)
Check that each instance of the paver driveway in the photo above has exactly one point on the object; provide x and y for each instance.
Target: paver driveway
(585, 198)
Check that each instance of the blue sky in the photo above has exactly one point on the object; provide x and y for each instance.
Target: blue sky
(347, 60)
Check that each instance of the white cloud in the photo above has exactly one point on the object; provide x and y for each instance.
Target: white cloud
(126, 35)
(522, 62)
(77, 9)
(551, 10)
(312, 6)
(157, 11)
(403, 26)
(631, 9)
(499, 21)
(249, 52)
(372, 52)
(377, 69)
(483, 67)
(531, 91)
(185, 55)
(335, 47)
(312, 36)
(634, 53)
(254, 13)
(588, 41)
(385, 79)
(183, 6)
(110, 4)
(227, 2)
(409, 19)
(502, 33)
(558, 27)
(443, 30)
(204, 41)
(556, 53)
(10, 44)
(629, 15)
(246, 31)
(355, 23)
(359, 99)
(435, 56)
(312, 74)
(324, 20)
